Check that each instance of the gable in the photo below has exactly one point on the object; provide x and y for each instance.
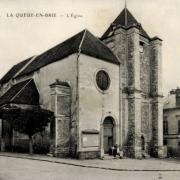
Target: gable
(83, 42)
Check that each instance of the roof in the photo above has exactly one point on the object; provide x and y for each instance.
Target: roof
(125, 19)
(24, 92)
(84, 42)
(16, 68)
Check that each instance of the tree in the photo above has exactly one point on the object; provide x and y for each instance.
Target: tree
(28, 121)
(8, 113)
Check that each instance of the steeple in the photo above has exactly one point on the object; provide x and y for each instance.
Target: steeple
(124, 20)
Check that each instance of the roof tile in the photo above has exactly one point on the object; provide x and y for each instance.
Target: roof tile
(91, 46)
(14, 70)
(120, 20)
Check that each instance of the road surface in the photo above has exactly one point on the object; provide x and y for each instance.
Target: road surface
(23, 169)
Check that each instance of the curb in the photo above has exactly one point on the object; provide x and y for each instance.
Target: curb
(89, 166)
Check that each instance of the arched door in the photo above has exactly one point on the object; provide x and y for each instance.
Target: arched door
(142, 143)
(108, 133)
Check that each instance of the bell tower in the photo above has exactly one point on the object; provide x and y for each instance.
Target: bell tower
(141, 85)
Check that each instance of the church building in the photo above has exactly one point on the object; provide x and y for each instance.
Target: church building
(103, 91)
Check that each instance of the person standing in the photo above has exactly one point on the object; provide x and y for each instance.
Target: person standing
(115, 150)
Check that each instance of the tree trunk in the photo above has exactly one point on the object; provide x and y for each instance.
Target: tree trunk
(30, 145)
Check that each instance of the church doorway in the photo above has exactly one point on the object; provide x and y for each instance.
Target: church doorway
(142, 143)
(108, 133)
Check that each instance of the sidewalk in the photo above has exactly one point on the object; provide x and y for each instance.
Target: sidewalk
(108, 164)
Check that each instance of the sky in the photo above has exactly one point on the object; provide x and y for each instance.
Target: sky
(23, 37)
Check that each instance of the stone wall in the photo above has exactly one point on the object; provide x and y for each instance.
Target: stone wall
(156, 94)
(157, 127)
(63, 137)
(117, 44)
(146, 125)
(145, 120)
(130, 151)
(133, 58)
(125, 116)
(156, 68)
(145, 70)
(61, 102)
(134, 120)
(89, 155)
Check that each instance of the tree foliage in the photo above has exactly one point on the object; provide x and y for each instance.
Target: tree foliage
(27, 121)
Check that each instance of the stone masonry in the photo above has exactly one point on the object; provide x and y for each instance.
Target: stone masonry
(61, 106)
(141, 109)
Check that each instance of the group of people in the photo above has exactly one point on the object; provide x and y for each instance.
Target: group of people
(113, 151)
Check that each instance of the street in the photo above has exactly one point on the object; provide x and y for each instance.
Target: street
(24, 169)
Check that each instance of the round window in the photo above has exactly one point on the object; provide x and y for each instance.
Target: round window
(102, 80)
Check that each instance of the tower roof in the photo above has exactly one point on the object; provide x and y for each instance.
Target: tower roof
(126, 20)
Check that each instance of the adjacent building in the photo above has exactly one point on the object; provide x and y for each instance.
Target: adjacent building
(102, 91)
(171, 122)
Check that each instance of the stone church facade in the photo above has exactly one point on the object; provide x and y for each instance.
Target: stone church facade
(103, 91)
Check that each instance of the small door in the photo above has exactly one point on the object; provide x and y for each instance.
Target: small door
(108, 143)
(142, 143)
(108, 134)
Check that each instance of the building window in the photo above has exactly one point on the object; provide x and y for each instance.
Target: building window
(178, 126)
(165, 126)
(178, 97)
(141, 47)
(102, 80)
